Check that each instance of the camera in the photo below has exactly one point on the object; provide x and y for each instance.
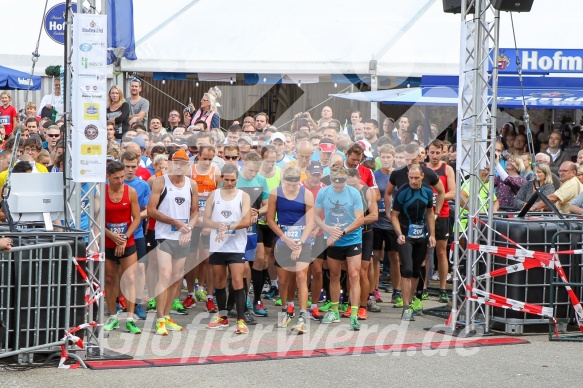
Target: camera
(303, 115)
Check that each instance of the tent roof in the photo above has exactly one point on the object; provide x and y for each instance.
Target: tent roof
(14, 79)
(408, 38)
(539, 92)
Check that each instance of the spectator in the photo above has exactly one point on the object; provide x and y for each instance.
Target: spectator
(139, 106)
(508, 181)
(570, 188)
(51, 105)
(544, 184)
(207, 112)
(118, 110)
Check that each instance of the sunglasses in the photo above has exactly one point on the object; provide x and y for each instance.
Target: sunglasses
(53, 135)
(338, 180)
(231, 157)
(248, 131)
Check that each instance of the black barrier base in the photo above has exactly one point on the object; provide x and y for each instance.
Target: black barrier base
(92, 354)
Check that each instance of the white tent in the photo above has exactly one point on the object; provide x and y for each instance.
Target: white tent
(407, 38)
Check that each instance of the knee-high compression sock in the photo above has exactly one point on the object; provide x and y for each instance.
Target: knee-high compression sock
(221, 295)
(240, 303)
(231, 297)
(420, 284)
(257, 279)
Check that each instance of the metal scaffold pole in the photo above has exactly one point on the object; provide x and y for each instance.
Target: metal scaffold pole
(85, 200)
(476, 134)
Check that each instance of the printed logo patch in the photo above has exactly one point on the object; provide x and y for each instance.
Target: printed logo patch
(226, 213)
(179, 200)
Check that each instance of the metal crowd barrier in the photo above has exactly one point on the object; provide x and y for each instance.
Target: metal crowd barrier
(557, 286)
(41, 294)
(535, 285)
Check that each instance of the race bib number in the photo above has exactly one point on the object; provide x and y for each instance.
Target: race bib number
(5, 120)
(173, 228)
(293, 232)
(382, 208)
(120, 228)
(252, 230)
(201, 204)
(416, 231)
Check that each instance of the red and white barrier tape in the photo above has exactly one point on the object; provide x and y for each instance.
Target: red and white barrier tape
(69, 336)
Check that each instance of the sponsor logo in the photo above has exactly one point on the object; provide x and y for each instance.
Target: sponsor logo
(91, 149)
(85, 47)
(54, 21)
(226, 213)
(93, 28)
(91, 132)
(179, 200)
(91, 111)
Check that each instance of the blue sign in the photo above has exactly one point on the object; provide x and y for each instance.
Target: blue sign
(541, 61)
(55, 22)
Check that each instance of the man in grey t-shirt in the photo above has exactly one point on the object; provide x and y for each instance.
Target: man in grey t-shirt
(139, 106)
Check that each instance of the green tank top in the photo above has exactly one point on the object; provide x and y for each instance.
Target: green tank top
(272, 183)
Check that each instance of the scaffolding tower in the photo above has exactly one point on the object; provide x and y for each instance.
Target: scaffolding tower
(476, 135)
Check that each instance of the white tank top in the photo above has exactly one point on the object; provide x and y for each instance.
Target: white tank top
(176, 205)
(230, 212)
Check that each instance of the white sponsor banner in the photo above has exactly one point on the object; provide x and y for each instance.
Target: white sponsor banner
(89, 98)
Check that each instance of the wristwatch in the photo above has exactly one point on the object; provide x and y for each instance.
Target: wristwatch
(125, 237)
(344, 232)
(189, 227)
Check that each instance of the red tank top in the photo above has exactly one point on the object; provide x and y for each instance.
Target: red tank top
(118, 216)
(315, 193)
(441, 173)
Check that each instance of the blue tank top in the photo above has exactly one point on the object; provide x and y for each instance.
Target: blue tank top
(291, 212)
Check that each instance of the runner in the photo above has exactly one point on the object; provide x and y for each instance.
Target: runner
(291, 218)
(174, 205)
(383, 234)
(342, 223)
(122, 218)
(229, 216)
(130, 161)
(371, 214)
(207, 177)
(313, 184)
(442, 227)
(412, 208)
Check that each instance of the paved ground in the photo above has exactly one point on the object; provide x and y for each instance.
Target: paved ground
(536, 363)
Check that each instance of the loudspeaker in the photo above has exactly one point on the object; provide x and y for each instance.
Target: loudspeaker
(455, 6)
(513, 5)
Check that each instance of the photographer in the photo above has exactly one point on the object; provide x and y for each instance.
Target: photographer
(301, 119)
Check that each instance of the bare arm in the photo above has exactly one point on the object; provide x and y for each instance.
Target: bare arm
(440, 196)
(373, 209)
(450, 174)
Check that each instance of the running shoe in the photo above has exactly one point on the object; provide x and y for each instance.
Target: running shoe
(178, 308)
(249, 319)
(189, 302)
(371, 305)
(139, 312)
(112, 323)
(259, 310)
(443, 298)
(217, 322)
(362, 314)
(331, 317)
(265, 289)
(424, 295)
(398, 301)
(300, 326)
(171, 325)
(322, 297)
(273, 292)
(343, 307)
(417, 305)
(435, 276)
(151, 305)
(326, 306)
(118, 309)
(315, 314)
(290, 310)
(346, 313)
(241, 327)
(309, 303)
(132, 327)
(408, 314)
(277, 302)
(232, 313)
(377, 296)
(249, 304)
(354, 322)
(210, 306)
(284, 320)
(184, 285)
(161, 328)
(200, 295)
(123, 304)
